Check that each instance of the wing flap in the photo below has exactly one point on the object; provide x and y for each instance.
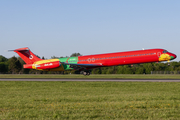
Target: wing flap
(82, 66)
(85, 65)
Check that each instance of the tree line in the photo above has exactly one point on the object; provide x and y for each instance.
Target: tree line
(14, 65)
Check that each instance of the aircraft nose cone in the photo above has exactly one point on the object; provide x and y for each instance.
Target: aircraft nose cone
(173, 56)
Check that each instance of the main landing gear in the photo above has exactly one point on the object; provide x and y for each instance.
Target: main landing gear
(86, 72)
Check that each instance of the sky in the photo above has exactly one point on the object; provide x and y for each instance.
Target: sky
(62, 27)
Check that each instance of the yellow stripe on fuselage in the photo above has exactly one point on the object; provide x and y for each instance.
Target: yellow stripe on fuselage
(45, 61)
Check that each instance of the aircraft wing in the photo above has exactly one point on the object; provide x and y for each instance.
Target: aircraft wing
(82, 66)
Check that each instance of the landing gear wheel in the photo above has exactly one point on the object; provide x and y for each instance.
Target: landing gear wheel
(86, 73)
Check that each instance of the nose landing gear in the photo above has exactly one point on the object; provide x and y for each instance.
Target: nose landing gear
(168, 63)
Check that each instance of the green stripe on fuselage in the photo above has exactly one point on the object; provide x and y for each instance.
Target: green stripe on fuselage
(73, 60)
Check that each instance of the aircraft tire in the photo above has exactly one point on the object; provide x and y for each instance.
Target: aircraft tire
(86, 73)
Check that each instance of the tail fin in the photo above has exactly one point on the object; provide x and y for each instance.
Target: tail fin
(26, 55)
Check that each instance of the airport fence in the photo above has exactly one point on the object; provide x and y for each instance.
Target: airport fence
(165, 72)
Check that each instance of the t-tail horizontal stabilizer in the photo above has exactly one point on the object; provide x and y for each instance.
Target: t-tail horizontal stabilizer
(26, 55)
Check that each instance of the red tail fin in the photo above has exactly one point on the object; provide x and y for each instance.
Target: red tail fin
(27, 55)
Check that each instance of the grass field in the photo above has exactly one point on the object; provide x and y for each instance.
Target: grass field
(89, 100)
(101, 76)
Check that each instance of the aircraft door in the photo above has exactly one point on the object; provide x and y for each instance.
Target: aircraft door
(159, 54)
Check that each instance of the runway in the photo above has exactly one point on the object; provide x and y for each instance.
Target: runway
(94, 80)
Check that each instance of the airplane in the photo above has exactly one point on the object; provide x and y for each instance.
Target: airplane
(87, 62)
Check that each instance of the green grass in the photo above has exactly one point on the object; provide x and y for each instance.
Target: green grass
(93, 76)
(89, 100)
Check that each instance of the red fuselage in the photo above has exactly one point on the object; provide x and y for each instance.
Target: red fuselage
(130, 57)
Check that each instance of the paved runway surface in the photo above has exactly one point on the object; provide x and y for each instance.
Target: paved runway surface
(93, 80)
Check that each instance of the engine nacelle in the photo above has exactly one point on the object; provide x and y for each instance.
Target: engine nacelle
(48, 65)
(43, 65)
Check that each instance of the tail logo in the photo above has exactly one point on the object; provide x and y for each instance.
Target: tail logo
(30, 57)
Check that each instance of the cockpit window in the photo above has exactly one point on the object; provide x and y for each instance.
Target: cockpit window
(165, 51)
